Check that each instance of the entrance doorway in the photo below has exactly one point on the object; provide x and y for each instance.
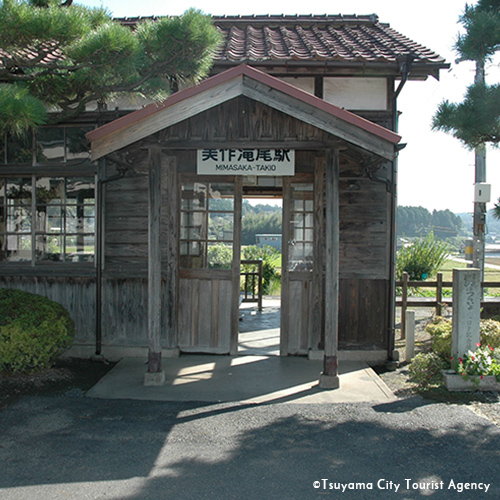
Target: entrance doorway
(260, 310)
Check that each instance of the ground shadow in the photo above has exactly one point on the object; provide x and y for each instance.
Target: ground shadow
(152, 450)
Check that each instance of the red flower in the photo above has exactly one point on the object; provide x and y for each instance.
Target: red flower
(478, 344)
(461, 360)
(481, 377)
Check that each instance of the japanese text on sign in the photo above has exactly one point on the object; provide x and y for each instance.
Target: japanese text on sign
(246, 162)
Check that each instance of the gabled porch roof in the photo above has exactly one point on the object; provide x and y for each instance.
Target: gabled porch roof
(246, 81)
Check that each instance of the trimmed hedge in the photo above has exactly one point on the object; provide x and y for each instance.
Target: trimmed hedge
(33, 331)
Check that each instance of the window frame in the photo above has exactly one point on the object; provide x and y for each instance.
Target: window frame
(36, 233)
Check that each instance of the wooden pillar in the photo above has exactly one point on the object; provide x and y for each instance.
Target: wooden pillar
(170, 264)
(155, 375)
(329, 379)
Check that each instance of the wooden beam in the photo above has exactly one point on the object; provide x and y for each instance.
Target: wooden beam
(329, 379)
(154, 269)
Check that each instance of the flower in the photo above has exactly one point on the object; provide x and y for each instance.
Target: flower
(476, 364)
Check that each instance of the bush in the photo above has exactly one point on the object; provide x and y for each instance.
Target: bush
(440, 330)
(422, 259)
(425, 368)
(33, 331)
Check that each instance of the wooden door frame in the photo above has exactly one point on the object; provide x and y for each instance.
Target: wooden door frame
(235, 264)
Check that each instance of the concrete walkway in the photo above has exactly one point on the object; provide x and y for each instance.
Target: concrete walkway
(249, 379)
(258, 375)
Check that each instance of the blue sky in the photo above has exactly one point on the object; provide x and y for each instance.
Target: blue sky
(435, 171)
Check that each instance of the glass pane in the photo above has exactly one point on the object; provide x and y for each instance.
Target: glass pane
(219, 256)
(193, 225)
(301, 257)
(80, 190)
(19, 191)
(49, 247)
(80, 248)
(18, 247)
(20, 149)
(50, 190)
(298, 234)
(18, 219)
(221, 197)
(77, 146)
(194, 196)
(49, 219)
(221, 226)
(302, 233)
(192, 255)
(49, 145)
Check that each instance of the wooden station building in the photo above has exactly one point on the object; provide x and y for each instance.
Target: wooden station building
(129, 239)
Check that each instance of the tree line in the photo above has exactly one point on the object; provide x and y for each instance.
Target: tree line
(418, 221)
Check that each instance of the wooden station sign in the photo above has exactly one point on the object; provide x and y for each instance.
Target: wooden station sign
(246, 162)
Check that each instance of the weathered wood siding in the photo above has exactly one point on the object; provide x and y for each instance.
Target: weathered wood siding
(205, 315)
(299, 319)
(126, 227)
(364, 230)
(363, 314)
(242, 119)
(77, 295)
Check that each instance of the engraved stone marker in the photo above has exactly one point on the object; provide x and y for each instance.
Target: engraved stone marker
(466, 310)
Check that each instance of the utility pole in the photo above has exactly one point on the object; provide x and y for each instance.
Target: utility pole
(479, 228)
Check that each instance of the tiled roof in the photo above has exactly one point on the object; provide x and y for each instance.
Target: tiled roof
(315, 38)
(281, 40)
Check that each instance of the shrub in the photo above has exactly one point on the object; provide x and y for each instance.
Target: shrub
(33, 331)
(425, 368)
(490, 332)
(423, 258)
(440, 330)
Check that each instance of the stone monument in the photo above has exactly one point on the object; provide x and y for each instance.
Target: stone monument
(466, 311)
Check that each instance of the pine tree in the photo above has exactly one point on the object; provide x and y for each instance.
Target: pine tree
(476, 120)
(63, 56)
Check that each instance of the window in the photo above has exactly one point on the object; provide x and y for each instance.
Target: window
(57, 224)
(16, 216)
(206, 228)
(49, 145)
(302, 218)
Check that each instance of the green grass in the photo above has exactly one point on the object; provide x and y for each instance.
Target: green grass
(447, 271)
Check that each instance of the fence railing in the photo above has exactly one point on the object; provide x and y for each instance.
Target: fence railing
(252, 281)
(438, 301)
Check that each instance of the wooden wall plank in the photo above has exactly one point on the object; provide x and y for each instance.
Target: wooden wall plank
(204, 314)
